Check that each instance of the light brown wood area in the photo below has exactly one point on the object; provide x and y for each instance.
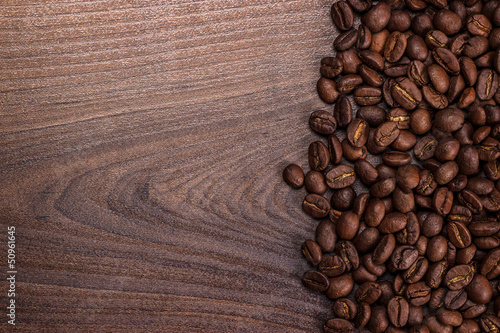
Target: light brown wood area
(141, 151)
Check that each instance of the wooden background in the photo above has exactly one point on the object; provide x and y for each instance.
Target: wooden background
(141, 150)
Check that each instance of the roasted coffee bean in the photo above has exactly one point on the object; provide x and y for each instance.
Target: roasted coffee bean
(319, 157)
(488, 149)
(442, 201)
(449, 120)
(327, 90)
(340, 286)
(465, 255)
(420, 121)
(435, 326)
(468, 160)
(379, 322)
(431, 223)
(332, 265)
(372, 59)
(377, 17)
(455, 299)
(492, 114)
(366, 95)
(479, 25)
(407, 177)
(457, 86)
(437, 299)
(468, 70)
(375, 269)
(362, 275)
(342, 15)
(360, 5)
(371, 76)
(435, 39)
(363, 316)
(345, 40)
(479, 290)
(400, 116)
(459, 277)
(338, 325)
(403, 202)
(293, 175)
(383, 188)
(314, 182)
(438, 78)
(395, 46)
(406, 140)
(489, 323)
(418, 293)
(404, 256)
(437, 248)
(446, 172)
(311, 251)
(386, 133)
(400, 21)
(326, 236)
(416, 49)
(374, 213)
(411, 232)
(491, 202)
(492, 170)
(436, 273)
(415, 316)
(366, 172)
(334, 149)
(447, 21)
(421, 24)
(322, 122)
(435, 99)
(343, 199)
(368, 293)
(425, 147)
(458, 183)
(343, 111)
(345, 308)
(398, 311)
(316, 205)
(347, 225)
(347, 251)
(331, 67)
(447, 149)
(458, 234)
(490, 265)
(396, 158)
(357, 132)
(315, 281)
(340, 176)
(393, 222)
(352, 153)
(367, 240)
(487, 84)
(348, 83)
(406, 93)
(384, 249)
(350, 61)
(475, 47)
(468, 326)
(446, 59)
(470, 200)
(416, 271)
(373, 115)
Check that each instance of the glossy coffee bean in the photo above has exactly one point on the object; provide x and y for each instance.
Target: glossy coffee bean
(326, 236)
(319, 156)
(316, 205)
(311, 251)
(293, 175)
(315, 281)
(342, 15)
(331, 67)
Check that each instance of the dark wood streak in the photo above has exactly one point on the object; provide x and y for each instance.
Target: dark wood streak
(141, 151)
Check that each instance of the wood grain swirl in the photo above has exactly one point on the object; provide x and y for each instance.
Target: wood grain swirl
(141, 151)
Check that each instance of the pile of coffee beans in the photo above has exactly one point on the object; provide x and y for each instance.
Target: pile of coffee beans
(404, 177)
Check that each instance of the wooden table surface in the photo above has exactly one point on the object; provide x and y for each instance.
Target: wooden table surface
(141, 151)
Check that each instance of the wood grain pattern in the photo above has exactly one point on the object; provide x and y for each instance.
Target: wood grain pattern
(141, 150)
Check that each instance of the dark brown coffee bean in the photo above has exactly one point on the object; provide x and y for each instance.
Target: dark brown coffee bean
(420, 121)
(468, 70)
(398, 311)
(446, 172)
(458, 183)
(345, 308)
(406, 140)
(348, 83)
(421, 24)
(455, 299)
(338, 325)
(340, 176)
(372, 59)
(400, 21)
(435, 99)
(487, 84)
(468, 160)
(327, 90)
(359, 205)
(425, 147)
(418, 293)
(479, 25)
(449, 120)
(384, 249)
(417, 72)
(322, 122)
(403, 202)
(459, 277)
(457, 86)
(491, 202)
(366, 95)
(449, 317)
(374, 213)
(373, 115)
(407, 177)
(386, 133)
(437, 299)
(334, 149)
(379, 322)
(362, 275)
(367, 240)
(403, 257)
(416, 271)
(492, 170)
(342, 15)
(371, 76)
(331, 67)
(446, 59)
(489, 323)
(447, 149)
(377, 17)
(490, 265)
(386, 93)
(326, 236)
(395, 46)
(315, 280)
(368, 292)
(411, 232)
(383, 188)
(437, 248)
(396, 158)
(431, 223)
(484, 227)
(352, 153)
(436, 273)
(406, 93)
(435, 39)
(458, 234)
(492, 114)
(447, 21)
(347, 225)
(314, 182)
(347, 251)
(375, 269)
(293, 175)
(479, 290)
(343, 199)
(319, 156)
(311, 251)
(357, 132)
(393, 222)
(460, 214)
(470, 200)
(400, 116)
(438, 78)
(468, 326)
(345, 40)
(316, 206)
(332, 265)
(343, 111)
(363, 316)
(442, 201)
(366, 172)
(416, 49)
(360, 5)
(350, 61)
(466, 255)
(480, 185)
(488, 149)
(340, 286)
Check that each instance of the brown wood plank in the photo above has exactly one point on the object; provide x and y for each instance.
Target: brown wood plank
(141, 151)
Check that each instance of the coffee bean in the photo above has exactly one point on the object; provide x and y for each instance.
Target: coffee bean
(416, 49)
(418, 293)
(457, 86)
(314, 182)
(398, 311)
(479, 290)
(475, 47)
(379, 322)
(468, 160)
(468, 326)
(468, 70)
(479, 24)
(393, 222)
(459, 277)
(488, 149)
(435, 99)
(352, 153)
(383, 188)
(449, 120)
(347, 225)
(470, 200)
(431, 223)
(490, 265)
(447, 149)
(311, 251)
(340, 286)
(357, 132)
(437, 248)
(366, 95)
(373, 115)
(487, 84)
(404, 256)
(465, 255)
(343, 111)
(340, 176)
(331, 67)
(368, 293)
(384, 249)
(425, 147)
(347, 251)
(348, 83)
(435, 39)
(315, 280)
(406, 93)
(345, 308)
(327, 90)
(447, 21)
(360, 203)
(326, 236)
(350, 61)
(363, 316)
(416, 271)
(372, 59)
(367, 240)
(338, 325)
(334, 149)
(442, 201)
(446, 172)
(316, 205)
(420, 121)
(458, 234)
(396, 158)
(446, 59)
(322, 122)
(434, 325)
(386, 133)
(458, 183)
(345, 40)
(395, 46)
(293, 175)
(472, 310)
(455, 299)
(342, 15)
(365, 171)
(319, 157)
(332, 265)
(360, 5)
(377, 17)
(489, 323)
